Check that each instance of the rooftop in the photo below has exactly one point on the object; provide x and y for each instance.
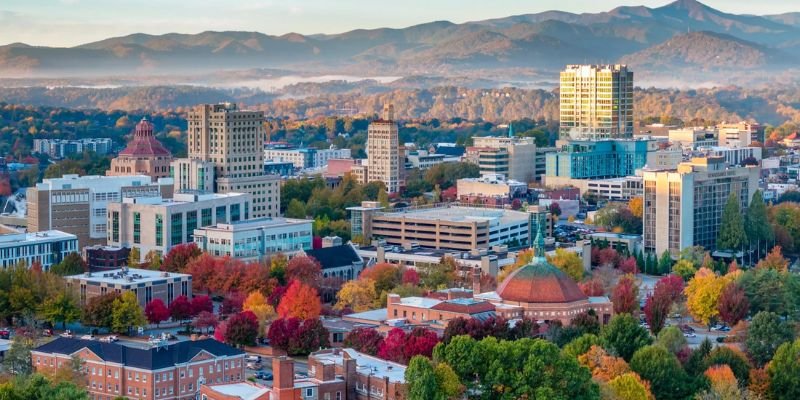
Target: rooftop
(13, 238)
(180, 198)
(335, 256)
(462, 214)
(126, 276)
(144, 143)
(242, 390)
(257, 223)
(365, 364)
(378, 315)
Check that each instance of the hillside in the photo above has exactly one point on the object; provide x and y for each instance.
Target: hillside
(529, 43)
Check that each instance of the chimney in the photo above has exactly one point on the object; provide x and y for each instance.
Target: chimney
(283, 383)
(476, 281)
(393, 298)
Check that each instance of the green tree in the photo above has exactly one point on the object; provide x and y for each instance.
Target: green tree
(685, 269)
(17, 359)
(421, 379)
(126, 313)
(662, 369)
(731, 231)
(296, 209)
(784, 372)
(629, 386)
(72, 264)
(757, 224)
(60, 309)
(581, 345)
(723, 355)
(623, 336)
(665, 263)
(765, 334)
(671, 338)
(134, 256)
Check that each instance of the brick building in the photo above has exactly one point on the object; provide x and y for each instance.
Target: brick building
(173, 372)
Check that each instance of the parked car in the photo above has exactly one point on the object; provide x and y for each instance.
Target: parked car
(88, 337)
(254, 365)
(67, 334)
(46, 332)
(254, 359)
(265, 375)
(689, 334)
(109, 339)
(5, 333)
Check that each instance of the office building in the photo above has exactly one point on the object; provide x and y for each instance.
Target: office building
(193, 175)
(77, 204)
(255, 239)
(146, 284)
(157, 224)
(233, 140)
(385, 159)
(596, 102)
(306, 157)
(734, 155)
(599, 159)
(495, 185)
(168, 371)
(683, 207)
(423, 160)
(739, 134)
(514, 157)
(615, 189)
(448, 227)
(60, 148)
(99, 257)
(692, 138)
(45, 247)
(144, 155)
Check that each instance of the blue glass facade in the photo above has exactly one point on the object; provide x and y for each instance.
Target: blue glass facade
(586, 159)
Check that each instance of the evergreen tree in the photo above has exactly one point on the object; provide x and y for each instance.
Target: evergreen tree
(640, 260)
(731, 231)
(758, 228)
(665, 263)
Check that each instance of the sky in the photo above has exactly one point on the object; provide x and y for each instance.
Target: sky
(73, 22)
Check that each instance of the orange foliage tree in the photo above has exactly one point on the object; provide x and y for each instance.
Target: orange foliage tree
(300, 301)
(604, 367)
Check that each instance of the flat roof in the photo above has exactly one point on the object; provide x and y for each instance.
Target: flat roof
(243, 390)
(615, 235)
(15, 238)
(366, 364)
(378, 315)
(462, 214)
(256, 224)
(421, 302)
(126, 276)
(436, 254)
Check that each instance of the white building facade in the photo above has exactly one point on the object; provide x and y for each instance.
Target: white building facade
(255, 239)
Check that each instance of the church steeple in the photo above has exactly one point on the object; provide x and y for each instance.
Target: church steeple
(538, 243)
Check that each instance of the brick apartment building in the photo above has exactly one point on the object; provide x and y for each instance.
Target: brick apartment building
(171, 372)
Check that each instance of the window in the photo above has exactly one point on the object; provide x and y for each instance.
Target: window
(338, 395)
(159, 230)
(137, 228)
(309, 392)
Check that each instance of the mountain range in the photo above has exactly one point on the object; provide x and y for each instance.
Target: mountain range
(683, 38)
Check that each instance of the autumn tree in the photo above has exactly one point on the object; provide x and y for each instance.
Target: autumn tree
(98, 310)
(179, 257)
(630, 386)
(399, 346)
(774, 260)
(180, 309)
(656, 310)
(156, 311)
(386, 276)
(133, 257)
(126, 313)
(731, 357)
(298, 337)
(732, 304)
(592, 287)
(569, 262)
(357, 295)
(300, 301)
(72, 264)
(61, 308)
(702, 295)
(200, 304)
(257, 304)
(636, 205)
(604, 367)
(204, 320)
(364, 340)
(410, 277)
(731, 231)
(305, 269)
(685, 269)
(232, 303)
(241, 329)
(784, 372)
(625, 296)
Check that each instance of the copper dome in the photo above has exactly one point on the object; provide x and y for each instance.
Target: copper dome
(144, 143)
(540, 282)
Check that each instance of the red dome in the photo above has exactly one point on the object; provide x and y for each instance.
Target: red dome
(540, 282)
(144, 143)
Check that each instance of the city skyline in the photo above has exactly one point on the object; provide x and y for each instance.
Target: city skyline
(63, 23)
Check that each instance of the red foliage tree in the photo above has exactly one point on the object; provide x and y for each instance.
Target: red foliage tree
(277, 294)
(200, 304)
(282, 331)
(671, 286)
(220, 330)
(656, 309)
(296, 336)
(242, 329)
(180, 309)
(257, 277)
(179, 257)
(733, 304)
(607, 257)
(156, 311)
(232, 303)
(401, 347)
(625, 294)
(628, 266)
(203, 270)
(410, 277)
(305, 269)
(393, 345)
(592, 287)
(365, 340)
(204, 320)
(300, 301)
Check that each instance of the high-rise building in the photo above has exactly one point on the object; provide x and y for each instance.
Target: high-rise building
(192, 175)
(596, 102)
(60, 148)
(233, 140)
(517, 158)
(385, 160)
(144, 155)
(77, 204)
(683, 207)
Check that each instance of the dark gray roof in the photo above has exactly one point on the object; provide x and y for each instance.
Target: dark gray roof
(453, 151)
(335, 257)
(149, 359)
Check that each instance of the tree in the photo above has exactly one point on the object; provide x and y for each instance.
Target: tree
(765, 334)
(630, 386)
(685, 269)
(134, 256)
(625, 296)
(784, 372)
(410, 277)
(257, 304)
(358, 295)
(702, 295)
(656, 310)
(734, 359)
(62, 308)
(153, 259)
(296, 209)
(386, 276)
(305, 269)
(623, 336)
(126, 313)
(672, 339)
(774, 260)
(17, 359)
(204, 320)
(98, 310)
(300, 301)
(757, 224)
(232, 303)
(72, 264)
(156, 311)
(298, 337)
(200, 304)
(731, 230)
(568, 262)
(581, 345)
(180, 309)
(733, 304)
(421, 379)
(555, 209)
(636, 205)
(665, 262)
(671, 286)
(241, 329)
(364, 340)
(180, 256)
(662, 369)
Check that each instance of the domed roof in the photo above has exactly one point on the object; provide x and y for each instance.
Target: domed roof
(144, 143)
(540, 282)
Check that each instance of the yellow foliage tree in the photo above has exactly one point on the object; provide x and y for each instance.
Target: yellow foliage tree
(702, 294)
(359, 295)
(636, 205)
(630, 386)
(257, 304)
(524, 257)
(568, 262)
